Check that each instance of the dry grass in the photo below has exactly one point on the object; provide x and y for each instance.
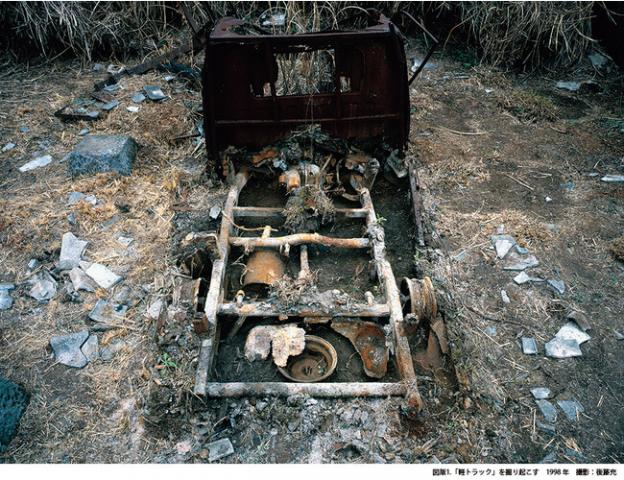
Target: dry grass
(527, 34)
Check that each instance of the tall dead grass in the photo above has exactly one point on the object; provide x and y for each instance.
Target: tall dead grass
(527, 34)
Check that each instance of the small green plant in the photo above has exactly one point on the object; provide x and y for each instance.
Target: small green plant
(381, 220)
(165, 361)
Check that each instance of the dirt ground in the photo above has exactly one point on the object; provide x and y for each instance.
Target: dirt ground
(491, 147)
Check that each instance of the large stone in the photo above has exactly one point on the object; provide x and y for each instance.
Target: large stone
(101, 275)
(67, 348)
(103, 153)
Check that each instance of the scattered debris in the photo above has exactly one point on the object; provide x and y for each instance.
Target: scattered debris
(505, 297)
(557, 285)
(104, 277)
(548, 410)
(67, 349)
(138, 97)
(598, 60)
(184, 447)
(283, 340)
(43, 286)
(541, 393)
(103, 153)
(132, 109)
(83, 132)
(80, 280)
(6, 301)
(613, 178)
(125, 241)
(219, 449)
(618, 335)
(75, 197)
(582, 86)
(154, 93)
(214, 212)
(9, 146)
(529, 346)
(571, 408)
(546, 427)
(106, 312)
(36, 163)
(71, 251)
(491, 330)
(502, 244)
(566, 342)
(369, 340)
(71, 114)
(516, 263)
(277, 19)
(523, 278)
(107, 107)
(559, 348)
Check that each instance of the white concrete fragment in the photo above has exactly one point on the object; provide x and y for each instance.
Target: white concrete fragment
(104, 277)
(613, 178)
(283, 340)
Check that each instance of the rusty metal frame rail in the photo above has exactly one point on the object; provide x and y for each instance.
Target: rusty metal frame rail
(216, 306)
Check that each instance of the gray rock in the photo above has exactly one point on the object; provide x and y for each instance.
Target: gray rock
(74, 197)
(571, 86)
(491, 330)
(505, 297)
(132, 109)
(9, 146)
(261, 405)
(36, 163)
(104, 277)
(541, 393)
(6, 301)
(71, 218)
(13, 402)
(529, 346)
(83, 132)
(7, 286)
(113, 88)
(516, 263)
(138, 98)
(548, 410)
(33, 263)
(71, 251)
(43, 286)
(91, 349)
(125, 241)
(67, 348)
(557, 285)
(522, 250)
(503, 244)
(560, 348)
(154, 93)
(523, 278)
(219, 449)
(598, 60)
(103, 153)
(546, 427)
(81, 281)
(107, 312)
(107, 107)
(214, 212)
(571, 408)
(570, 331)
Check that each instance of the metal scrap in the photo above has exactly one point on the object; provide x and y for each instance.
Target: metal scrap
(370, 342)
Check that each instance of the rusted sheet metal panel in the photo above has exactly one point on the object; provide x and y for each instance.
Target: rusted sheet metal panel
(242, 108)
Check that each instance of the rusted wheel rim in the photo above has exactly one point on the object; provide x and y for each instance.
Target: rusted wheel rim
(317, 362)
(421, 298)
